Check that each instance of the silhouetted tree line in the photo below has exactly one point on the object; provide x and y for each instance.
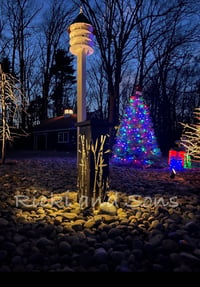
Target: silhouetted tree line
(151, 43)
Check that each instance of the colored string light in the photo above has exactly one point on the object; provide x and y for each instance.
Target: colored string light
(136, 142)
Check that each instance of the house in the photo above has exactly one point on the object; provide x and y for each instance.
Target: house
(58, 133)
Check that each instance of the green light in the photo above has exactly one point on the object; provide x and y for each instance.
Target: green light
(187, 161)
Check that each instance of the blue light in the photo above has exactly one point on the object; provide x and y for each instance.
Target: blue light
(176, 164)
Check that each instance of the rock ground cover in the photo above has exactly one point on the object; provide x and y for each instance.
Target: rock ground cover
(153, 223)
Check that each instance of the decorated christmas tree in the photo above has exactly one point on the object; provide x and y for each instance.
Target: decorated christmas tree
(190, 139)
(136, 143)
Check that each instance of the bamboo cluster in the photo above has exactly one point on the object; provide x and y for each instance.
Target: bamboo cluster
(92, 164)
(190, 139)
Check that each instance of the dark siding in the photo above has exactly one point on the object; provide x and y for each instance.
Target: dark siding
(52, 141)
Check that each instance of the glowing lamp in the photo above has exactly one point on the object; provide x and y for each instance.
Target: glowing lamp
(81, 34)
(68, 112)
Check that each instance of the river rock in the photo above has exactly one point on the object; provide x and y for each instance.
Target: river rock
(64, 247)
(3, 222)
(78, 225)
(116, 256)
(108, 208)
(90, 223)
(43, 242)
(69, 215)
(100, 255)
(3, 255)
(190, 258)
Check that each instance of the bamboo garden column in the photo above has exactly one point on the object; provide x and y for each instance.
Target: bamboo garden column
(81, 45)
(92, 156)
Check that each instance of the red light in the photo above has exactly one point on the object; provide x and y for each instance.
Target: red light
(176, 155)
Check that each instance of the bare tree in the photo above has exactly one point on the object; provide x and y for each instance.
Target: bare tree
(10, 104)
(172, 59)
(20, 15)
(126, 32)
(56, 20)
(114, 23)
(97, 93)
(1, 34)
(147, 42)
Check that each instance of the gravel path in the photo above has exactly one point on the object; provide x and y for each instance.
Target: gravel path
(153, 224)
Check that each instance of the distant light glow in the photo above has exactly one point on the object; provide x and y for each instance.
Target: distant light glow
(68, 112)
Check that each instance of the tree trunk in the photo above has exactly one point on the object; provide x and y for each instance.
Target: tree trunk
(44, 114)
(3, 149)
(111, 114)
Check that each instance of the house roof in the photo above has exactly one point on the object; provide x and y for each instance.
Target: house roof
(57, 123)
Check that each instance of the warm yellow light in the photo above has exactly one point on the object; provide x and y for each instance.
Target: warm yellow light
(68, 112)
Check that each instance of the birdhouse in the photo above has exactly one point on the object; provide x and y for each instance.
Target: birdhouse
(81, 35)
